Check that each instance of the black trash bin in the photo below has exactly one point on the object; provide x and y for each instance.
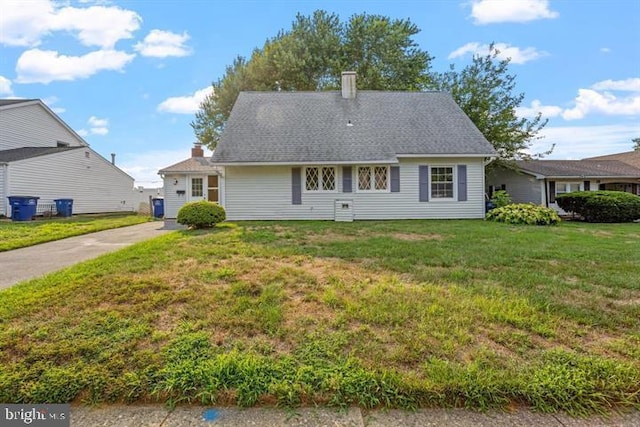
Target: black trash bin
(158, 207)
(23, 208)
(64, 207)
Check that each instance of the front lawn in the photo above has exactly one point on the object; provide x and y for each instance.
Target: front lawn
(397, 314)
(14, 235)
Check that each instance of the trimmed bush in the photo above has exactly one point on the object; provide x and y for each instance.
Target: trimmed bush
(601, 206)
(201, 214)
(524, 213)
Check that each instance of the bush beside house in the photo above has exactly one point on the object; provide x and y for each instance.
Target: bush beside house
(524, 213)
(201, 214)
(601, 206)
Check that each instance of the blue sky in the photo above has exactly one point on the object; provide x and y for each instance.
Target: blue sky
(129, 75)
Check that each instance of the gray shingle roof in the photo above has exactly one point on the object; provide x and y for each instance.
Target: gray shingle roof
(305, 127)
(579, 168)
(4, 102)
(15, 154)
(630, 157)
(193, 164)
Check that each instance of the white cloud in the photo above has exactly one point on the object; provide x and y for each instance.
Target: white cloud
(515, 54)
(605, 50)
(578, 142)
(96, 127)
(632, 85)
(590, 101)
(144, 167)
(184, 104)
(50, 100)
(161, 44)
(496, 11)
(99, 26)
(5, 87)
(537, 107)
(45, 66)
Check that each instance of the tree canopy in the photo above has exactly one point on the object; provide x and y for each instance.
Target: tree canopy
(485, 90)
(312, 55)
(636, 144)
(318, 48)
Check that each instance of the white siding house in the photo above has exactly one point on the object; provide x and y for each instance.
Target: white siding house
(540, 181)
(41, 156)
(264, 192)
(191, 180)
(350, 155)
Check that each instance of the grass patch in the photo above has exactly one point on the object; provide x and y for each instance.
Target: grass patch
(378, 314)
(14, 235)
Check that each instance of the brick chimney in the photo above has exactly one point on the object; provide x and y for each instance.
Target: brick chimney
(197, 150)
(349, 84)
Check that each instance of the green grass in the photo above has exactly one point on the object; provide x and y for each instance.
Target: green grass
(14, 235)
(378, 314)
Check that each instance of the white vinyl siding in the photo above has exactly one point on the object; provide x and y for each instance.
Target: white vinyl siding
(32, 126)
(175, 194)
(523, 188)
(94, 184)
(264, 192)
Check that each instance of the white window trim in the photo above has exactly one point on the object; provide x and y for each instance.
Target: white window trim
(356, 179)
(454, 170)
(320, 190)
(579, 184)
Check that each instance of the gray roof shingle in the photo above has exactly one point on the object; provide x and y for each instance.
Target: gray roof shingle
(15, 154)
(307, 127)
(4, 102)
(193, 164)
(630, 157)
(579, 168)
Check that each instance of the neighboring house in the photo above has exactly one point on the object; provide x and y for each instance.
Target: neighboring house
(630, 157)
(540, 181)
(190, 180)
(41, 156)
(350, 155)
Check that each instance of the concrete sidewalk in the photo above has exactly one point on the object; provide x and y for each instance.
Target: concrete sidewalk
(183, 416)
(35, 261)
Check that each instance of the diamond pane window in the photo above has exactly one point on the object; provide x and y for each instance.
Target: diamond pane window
(364, 178)
(328, 179)
(312, 179)
(442, 182)
(380, 176)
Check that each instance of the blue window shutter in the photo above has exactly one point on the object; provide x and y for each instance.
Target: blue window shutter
(346, 179)
(296, 186)
(395, 179)
(423, 181)
(462, 183)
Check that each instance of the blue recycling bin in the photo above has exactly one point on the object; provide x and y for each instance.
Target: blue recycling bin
(23, 208)
(64, 207)
(158, 207)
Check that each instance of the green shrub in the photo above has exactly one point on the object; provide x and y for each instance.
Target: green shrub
(601, 206)
(501, 198)
(524, 213)
(201, 214)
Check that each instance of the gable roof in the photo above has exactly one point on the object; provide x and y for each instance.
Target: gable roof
(578, 168)
(323, 127)
(15, 154)
(630, 157)
(193, 164)
(6, 104)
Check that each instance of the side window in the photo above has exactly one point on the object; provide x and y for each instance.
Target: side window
(442, 182)
(320, 178)
(196, 187)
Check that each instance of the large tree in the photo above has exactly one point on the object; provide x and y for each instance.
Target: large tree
(312, 55)
(636, 144)
(485, 91)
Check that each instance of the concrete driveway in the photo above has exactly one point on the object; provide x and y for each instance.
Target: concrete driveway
(35, 261)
